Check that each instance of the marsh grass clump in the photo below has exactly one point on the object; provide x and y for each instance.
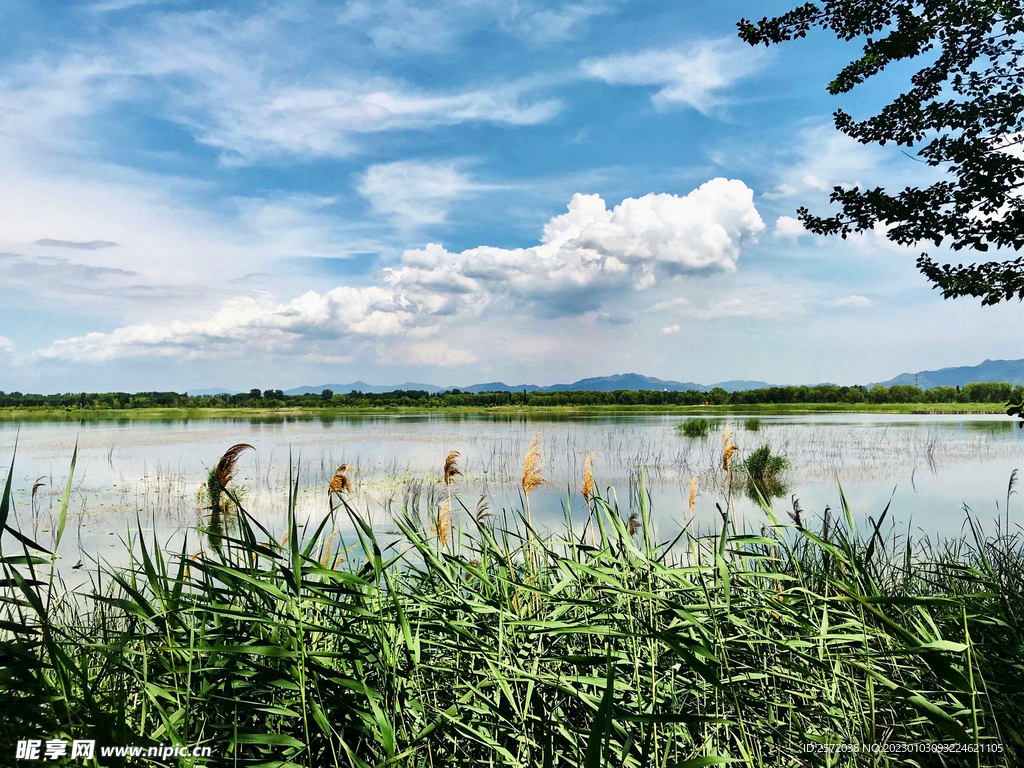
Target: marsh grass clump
(752, 424)
(695, 428)
(336, 650)
(763, 466)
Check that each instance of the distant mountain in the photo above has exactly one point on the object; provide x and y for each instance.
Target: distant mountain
(990, 370)
(634, 381)
(362, 386)
(499, 386)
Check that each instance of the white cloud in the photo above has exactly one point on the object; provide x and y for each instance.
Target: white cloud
(336, 316)
(399, 26)
(586, 255)
(788, 228)
(431, 353)
(670, 329)
(823, 158)
(315, 357)
(781, 191)
(551, 22)
(54, 207)
(591, 249)
(696, 76)
(855, 300)
(678, 301)
(6, 345)
(325, 121)
(233, 82)
(415, 192)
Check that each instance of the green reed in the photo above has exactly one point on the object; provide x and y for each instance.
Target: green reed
(327, 649)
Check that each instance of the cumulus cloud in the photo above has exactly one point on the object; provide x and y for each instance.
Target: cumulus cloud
(591, 249)
(852, 301)
(585, 255)
(788, 228)
(669, 329)
(694, 77)
(415, 192)
(6, 345)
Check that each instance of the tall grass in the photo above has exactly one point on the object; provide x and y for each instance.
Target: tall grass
(505, 647)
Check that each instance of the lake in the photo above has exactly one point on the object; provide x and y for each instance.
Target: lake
(148, 473)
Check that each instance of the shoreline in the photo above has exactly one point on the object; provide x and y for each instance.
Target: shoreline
(131, 414)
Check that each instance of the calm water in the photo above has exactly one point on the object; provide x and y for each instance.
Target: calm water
(148, 473)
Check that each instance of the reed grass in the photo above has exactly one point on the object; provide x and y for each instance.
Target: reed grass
(684, 652)
(761, 465)
(695, 427)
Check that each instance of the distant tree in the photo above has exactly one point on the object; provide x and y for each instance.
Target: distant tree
(255, 394)
(963, 114)
(878, 394)
(328, 394)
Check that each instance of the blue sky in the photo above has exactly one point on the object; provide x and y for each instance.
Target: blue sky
(285, 193)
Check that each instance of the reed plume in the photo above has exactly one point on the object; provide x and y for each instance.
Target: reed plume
(341, 483)
(216, 484)
(443, 526)
(532, 478)
(694, 493)
(483, 509)
(227, 466)
(728, 447)
(39, 484)
(451, 468)
(588, 478)
(1009, 492)
(797, 514)
(588, 491)
(327, 549)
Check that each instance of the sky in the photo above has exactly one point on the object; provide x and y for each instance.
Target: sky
(295, 193)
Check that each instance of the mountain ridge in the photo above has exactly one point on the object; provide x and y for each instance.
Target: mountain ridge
(989, 370)
(634, 381)
(957, 376)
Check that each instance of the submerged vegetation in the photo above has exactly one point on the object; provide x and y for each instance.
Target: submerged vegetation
(478, 640)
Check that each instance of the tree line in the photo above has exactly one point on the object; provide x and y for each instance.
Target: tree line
(982, 392)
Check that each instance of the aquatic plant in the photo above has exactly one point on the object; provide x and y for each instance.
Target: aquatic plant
(695, 427)
(762, 465)
(752, 424)
(331, 649)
